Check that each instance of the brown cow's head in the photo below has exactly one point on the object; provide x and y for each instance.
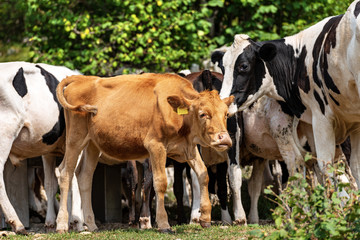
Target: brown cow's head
(205, 118)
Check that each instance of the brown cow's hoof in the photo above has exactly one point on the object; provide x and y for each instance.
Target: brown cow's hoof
(167, 231)
(205, 224)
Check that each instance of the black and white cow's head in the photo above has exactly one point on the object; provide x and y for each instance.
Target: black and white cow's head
(244, 70)
(252, 70)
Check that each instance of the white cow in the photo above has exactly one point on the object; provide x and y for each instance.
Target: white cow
(31, 124)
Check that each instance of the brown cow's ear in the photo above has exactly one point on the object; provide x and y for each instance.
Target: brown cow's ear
(180, 105)
(229, 100)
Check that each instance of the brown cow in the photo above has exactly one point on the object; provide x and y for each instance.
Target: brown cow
(133, 117)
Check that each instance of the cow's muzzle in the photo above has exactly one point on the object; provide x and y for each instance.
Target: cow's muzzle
(222, 141)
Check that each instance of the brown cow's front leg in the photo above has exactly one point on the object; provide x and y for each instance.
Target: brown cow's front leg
(199, 168)
(158, 160)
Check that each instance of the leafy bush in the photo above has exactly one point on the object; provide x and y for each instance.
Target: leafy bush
(272, 19)
(98, 37)
(305, 212)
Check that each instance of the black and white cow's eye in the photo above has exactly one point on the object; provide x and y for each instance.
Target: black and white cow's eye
(244, 67)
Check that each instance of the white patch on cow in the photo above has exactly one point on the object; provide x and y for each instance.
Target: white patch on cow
(185, 72)
(76, 218)
(229, 60)
(195, 209)
(145, 222)
(232, 109)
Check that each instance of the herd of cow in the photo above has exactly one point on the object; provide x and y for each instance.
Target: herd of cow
(275, 97)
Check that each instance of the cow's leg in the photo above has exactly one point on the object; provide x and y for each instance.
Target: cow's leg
(132, 182)
(234, 170)
(157, 153)
(324, 137)
(77, 218)
(179, 191)
(145, 216)
(277, 175)
(85, 178)
(65, 172)
(186, 179)
(51, 186)
(355, 157)
(6, 207)
(9, 131)
(254, 187)
(221, 171)
(196, 196)
(235, 180)
(199, 168)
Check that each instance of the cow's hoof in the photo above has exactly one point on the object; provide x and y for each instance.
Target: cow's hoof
(133, 225)
(145, 223)
(61, 231)
(49, 228)
(194, 221)
(21, 231)
(240, 222)
(205, 224)
(92, 229)
(167, 231)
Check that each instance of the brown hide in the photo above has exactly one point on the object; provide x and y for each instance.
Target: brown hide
(128, 107)
(133, 117)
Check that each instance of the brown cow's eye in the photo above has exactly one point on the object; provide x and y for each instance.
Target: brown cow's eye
(203, 115)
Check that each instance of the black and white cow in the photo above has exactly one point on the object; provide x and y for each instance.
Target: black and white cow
(31, 124)
(266, 134)
(315, 73)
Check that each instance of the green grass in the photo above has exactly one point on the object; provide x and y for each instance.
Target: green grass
(181, 232)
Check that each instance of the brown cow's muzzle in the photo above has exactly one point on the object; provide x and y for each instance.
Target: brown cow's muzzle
(222, 141)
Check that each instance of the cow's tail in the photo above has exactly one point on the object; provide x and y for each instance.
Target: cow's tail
(62, 100)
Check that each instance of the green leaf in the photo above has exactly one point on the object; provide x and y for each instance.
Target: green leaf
(216, 3)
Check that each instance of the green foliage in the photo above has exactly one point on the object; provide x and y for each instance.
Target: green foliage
(12, 20)
(272, 19)
(98, 37)
(305, 212)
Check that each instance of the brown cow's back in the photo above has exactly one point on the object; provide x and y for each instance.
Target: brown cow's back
(126, 107)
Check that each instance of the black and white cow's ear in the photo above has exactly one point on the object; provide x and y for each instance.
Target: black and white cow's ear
(217, 56)
(267, 51)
